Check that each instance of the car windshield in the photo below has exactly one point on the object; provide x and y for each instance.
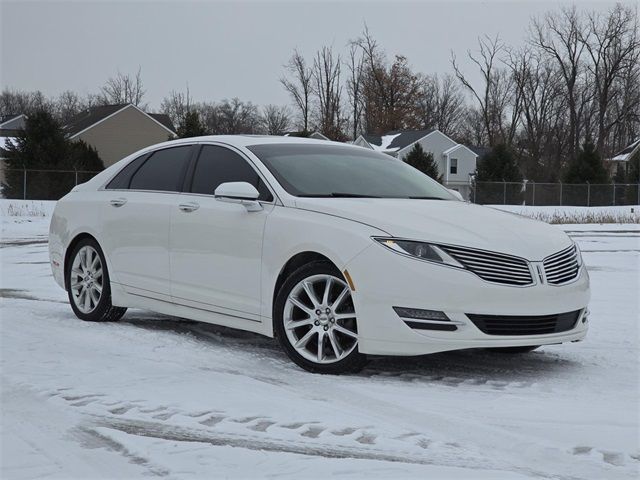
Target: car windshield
(314, 170)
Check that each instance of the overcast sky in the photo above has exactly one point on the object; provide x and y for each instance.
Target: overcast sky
(233, 49)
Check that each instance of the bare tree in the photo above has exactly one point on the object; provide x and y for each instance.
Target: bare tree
(328, 90)
(13, 102)
(441, 104)
(123, 88)
(561, 37)
(612, 44)
(275, 119)
(355, 66)
(496, 97)
(68, 105)
(299, 85)
(177, 105)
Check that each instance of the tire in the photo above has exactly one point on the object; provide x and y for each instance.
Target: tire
(514, 350)
(87, 282)
(335, 324)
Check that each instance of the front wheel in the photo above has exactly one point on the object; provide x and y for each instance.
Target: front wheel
(87, 282)
(315, 320)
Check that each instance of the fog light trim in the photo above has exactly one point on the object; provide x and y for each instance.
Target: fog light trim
(421, 314)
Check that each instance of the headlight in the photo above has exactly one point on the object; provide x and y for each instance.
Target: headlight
(421, 250)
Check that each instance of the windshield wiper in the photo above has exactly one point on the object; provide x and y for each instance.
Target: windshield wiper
(338, 195)
(426, 198)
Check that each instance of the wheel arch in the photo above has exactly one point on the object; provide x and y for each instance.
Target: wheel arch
(295, 262)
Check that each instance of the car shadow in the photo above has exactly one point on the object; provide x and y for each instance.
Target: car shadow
(469, 367)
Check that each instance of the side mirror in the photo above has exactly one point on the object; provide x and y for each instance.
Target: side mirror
(239, 192)
(456, 194)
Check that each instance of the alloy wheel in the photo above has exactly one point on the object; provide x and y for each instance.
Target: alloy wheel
(320, 320)
(86, 279)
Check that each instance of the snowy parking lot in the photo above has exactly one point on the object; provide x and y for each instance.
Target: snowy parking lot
(155, 395)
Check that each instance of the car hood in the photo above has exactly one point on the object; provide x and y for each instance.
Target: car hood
(448, 222)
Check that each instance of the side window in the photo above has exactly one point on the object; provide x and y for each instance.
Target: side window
(454, 166)
(218, 165)
(163, 170)
(123, 178)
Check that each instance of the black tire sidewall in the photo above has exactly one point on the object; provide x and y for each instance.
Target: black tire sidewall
(353, 362)
(102, 311)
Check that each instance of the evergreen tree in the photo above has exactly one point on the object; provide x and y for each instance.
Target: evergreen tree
(42, 148)
(587, 167)
(423, 161)
(499, 165)
(191, 126)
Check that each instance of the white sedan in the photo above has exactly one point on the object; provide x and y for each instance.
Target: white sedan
(338, 251)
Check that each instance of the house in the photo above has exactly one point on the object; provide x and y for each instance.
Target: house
(317, 135)
(116, 131)
(10, 125)
(623, 157)
(455, 161)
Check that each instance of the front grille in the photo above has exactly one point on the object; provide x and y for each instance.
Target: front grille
(493, 267)
(562, 267)
(525, 325)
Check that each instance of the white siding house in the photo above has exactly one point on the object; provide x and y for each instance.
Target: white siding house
(456, 163)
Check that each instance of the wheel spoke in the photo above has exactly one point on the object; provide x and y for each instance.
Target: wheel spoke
(334, 344)
(97, 287)
(340, 299)
(345, 331)
(300, 323)
(95, 295)
(305, 339)
(87, 300)
(95, 262)
(320, 345)
(327, 290)
(308, 288)
(344, 316)
(301, 306)
(76, 272)
(97, 274)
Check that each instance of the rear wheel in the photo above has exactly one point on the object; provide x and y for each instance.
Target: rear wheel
(315, 320)
(87, 281)
(528, 349)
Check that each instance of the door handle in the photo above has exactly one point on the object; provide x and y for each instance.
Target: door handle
(117, 202)
(188, 207)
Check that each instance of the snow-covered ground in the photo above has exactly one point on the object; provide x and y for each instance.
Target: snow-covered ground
(155, 395)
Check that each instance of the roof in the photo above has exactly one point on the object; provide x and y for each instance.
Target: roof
(627, 153)
(479, 150)
(12, 122)
(315, 134)
(164, 119)
(396, 139)
(94, 115)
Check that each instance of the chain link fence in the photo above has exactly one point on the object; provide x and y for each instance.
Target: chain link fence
(555, 194)
(40, 184)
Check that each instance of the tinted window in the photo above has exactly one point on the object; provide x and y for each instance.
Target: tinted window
(218, 165)
(122, 179)
(312, 170)
(163, 171)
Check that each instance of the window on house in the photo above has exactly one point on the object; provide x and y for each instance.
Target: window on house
(453, 166)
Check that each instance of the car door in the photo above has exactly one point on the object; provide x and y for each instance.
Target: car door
(136, 220)
(216, 247)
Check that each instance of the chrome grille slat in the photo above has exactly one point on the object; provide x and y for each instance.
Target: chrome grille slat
(562, 267)
(492, 266)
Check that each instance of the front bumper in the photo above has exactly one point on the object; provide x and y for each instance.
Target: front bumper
(383, 279)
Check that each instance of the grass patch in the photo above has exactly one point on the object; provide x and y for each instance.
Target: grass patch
(583, 217)
(31, 209)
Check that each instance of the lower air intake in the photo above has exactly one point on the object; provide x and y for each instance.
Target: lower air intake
(525, 324)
